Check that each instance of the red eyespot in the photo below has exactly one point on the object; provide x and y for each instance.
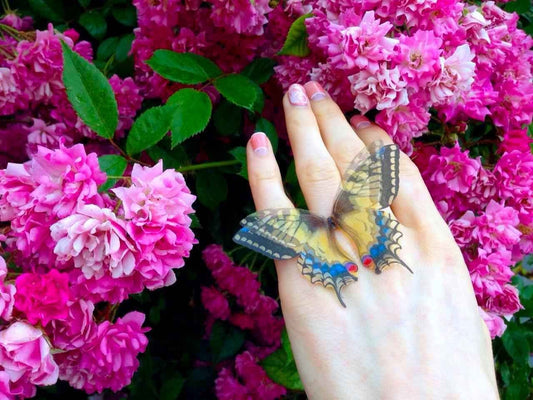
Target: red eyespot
(352, 269)
(367, 261)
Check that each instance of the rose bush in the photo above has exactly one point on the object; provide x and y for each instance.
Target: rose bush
(105, 105)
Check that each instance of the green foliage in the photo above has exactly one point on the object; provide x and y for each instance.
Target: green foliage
(191, 111)
(211, 188)
(228, 118)
(259, 70)
(281, 367)
(50, 9)
(148, 129)
(95, 23)
(183, 67)
(225, 341)
(239, 153)
(90, 94)
(240, 90)
(296, 41)
(513, 350)
(113, 165)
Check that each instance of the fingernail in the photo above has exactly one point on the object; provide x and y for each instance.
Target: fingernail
(297, 96)
(259, 143)
(315, 91)
(359, 122)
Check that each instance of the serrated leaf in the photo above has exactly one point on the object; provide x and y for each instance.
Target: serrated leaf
(94, 23)
(124, 46)
(264, 125)
(296, 41)
(191, 111)
(107, 48)
(90, 94)
(114, 165)
(225, 341)
(238, 89)
(282, 370)
(183, 67)
(52, 10)
(125, 15)
(227, 118)
(211, 188)
(239, 153)
(148, 129)
(259, 70)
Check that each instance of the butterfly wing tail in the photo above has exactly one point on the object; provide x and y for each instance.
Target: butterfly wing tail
(385, 251)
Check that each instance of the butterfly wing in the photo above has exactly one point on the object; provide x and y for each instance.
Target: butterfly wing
(361, 209)
(286, 233)
(278, 233)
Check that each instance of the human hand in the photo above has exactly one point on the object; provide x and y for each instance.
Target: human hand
(402, 335)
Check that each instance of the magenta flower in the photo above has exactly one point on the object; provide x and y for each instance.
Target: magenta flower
(42, 297)
(77, 329)
(25, 352)
(96, 240)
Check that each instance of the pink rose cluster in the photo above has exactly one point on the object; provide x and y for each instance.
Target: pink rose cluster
(77, 247)
(490, 213)
(235, 297)
(31, 66)
(229, 32)
(402, 58)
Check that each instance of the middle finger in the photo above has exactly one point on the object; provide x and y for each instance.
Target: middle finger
(317, 173)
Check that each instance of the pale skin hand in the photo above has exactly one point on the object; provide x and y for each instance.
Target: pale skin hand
(402, 335)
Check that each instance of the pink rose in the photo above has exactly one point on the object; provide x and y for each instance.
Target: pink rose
(42, 297)
(25, 351)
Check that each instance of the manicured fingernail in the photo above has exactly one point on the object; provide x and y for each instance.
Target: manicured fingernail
(315, 91)
(259, 143)
(359, 122)
(297, 96)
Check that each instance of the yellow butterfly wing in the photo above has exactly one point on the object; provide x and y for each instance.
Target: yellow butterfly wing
(369, 186)
(287, 233)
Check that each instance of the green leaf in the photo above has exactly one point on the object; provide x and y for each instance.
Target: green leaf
(259, 102)
(296, 41)
(124, 46)
(259, 70)
(94, 23)
(225, 341)
(107, 48)
(238, 89)
(89, 93)
(517, 391)
(264, 125)
(191, 111)
(52, 10)
(84, 3)
(113, 165)
(282, 370)
(183, 67)
(286, 344)
(148, 129)
(527, 263)
(211, 188)
(171, 159)
(239, 153)
(172, 387)
(519, 6)
(227, 118)
(125, 15)
(515, 342)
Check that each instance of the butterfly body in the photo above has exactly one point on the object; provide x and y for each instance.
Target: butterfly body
(361, 232)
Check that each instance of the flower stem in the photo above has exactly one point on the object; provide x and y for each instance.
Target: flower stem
(216, 164)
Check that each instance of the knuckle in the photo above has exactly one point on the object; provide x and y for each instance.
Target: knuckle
(318, 171)
(263, 175)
